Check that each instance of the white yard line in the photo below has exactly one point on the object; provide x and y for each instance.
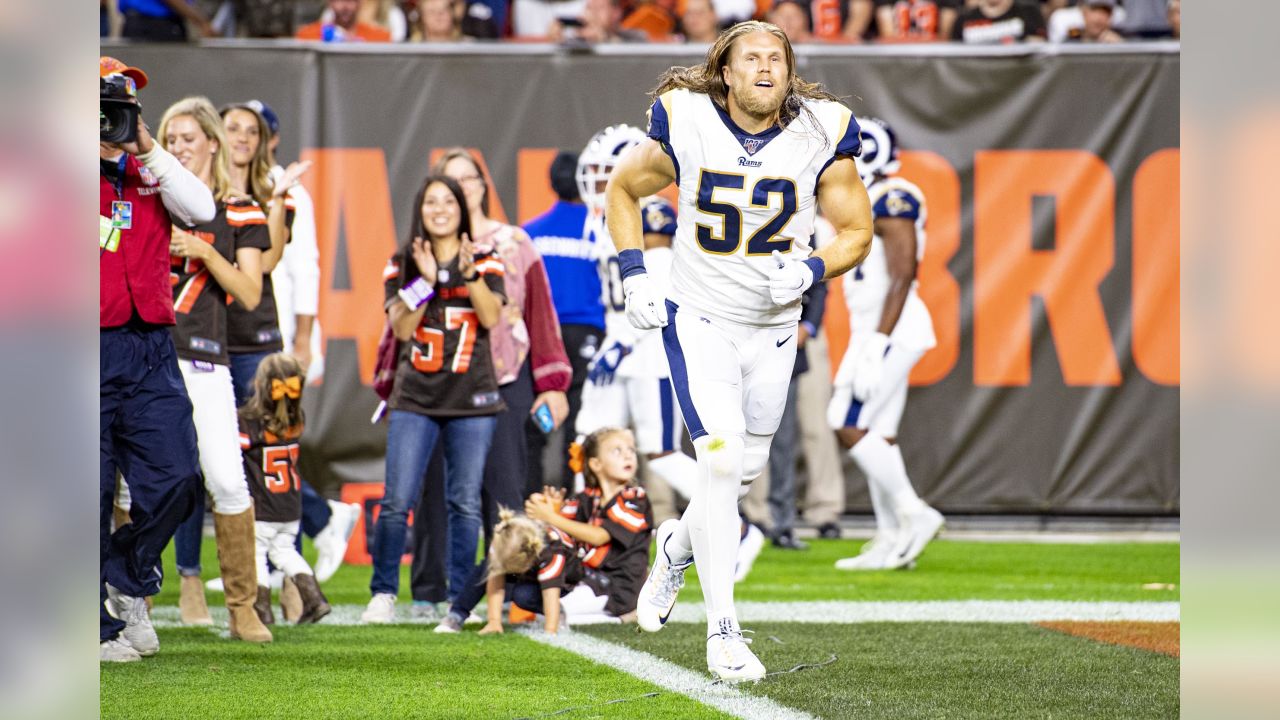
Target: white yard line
(671, 677)
(834, 612)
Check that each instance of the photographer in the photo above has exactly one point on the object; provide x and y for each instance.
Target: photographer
(145, 422)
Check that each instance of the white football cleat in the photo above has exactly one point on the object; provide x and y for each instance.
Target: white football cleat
(660, 589)
(331, 542)
(919, 527)
(730, 660)
(117, 650)
(748, 550)
(873, 556)
(138, 630)
(381, 610)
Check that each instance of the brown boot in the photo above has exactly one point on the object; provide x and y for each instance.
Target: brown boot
(314, 604)
(191, 603)
(262, 606)
(290, 601)
(120, 516)
(239, 575)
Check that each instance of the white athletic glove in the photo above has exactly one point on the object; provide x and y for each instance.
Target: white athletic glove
(789, 280)
(646, 308)
(868, 369)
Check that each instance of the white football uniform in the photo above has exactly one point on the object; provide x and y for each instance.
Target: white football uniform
(742, 196)
(640, 395)
(864, 290)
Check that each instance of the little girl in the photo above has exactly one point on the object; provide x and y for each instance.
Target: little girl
(270, 424)
(611, 520)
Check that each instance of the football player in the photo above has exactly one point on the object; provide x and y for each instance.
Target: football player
(890, 329)
(752, 148)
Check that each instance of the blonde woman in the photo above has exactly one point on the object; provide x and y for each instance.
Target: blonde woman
(209, 262)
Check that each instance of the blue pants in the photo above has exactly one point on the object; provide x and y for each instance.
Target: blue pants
(145, 432)
(315, 509)
(411, 438)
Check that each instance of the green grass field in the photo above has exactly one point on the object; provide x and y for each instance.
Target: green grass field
(881, 669)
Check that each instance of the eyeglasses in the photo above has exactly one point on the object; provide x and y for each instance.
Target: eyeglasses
(471, 179)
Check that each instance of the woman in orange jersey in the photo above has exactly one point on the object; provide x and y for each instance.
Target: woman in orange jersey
(208, 263)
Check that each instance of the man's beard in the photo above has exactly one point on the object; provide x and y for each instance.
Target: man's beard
(760, 104)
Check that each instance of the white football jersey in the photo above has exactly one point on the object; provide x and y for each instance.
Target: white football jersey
(866, 286)
(742, 196)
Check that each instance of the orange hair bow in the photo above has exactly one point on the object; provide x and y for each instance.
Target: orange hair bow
(290, 386)
(575, 457)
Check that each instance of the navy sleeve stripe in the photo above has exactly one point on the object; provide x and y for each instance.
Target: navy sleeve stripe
(851, 143)
(659, 128)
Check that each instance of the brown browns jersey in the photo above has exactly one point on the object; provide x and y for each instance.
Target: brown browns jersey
(446, 368)
(271, 469)
(557, 567)
(199, 302)
(258, 330)
(617, 568)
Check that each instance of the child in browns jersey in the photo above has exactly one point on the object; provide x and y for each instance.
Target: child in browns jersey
(611, 520)
(270, 425)
(529, 562)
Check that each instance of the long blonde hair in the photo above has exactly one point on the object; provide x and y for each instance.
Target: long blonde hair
(201, 110)
(708, 78)
(260, 184)
(278, 374)
(517, 541)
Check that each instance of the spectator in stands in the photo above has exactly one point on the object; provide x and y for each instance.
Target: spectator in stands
(1096, 27)
(162, 20)
(699, 23)
(999, 21)
(655, 18)
(916, 19)
(343, 25)
(533, 19)
(569, 257)
(442, 297)
(599, 23)
(793, 17)
(847, 21)
(732, 12)
(528, 360)
(438, 22)
(480, 19)
(385, 14)
(1175, 18)
(1144, 19)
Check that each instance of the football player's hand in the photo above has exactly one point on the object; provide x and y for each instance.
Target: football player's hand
(605, 364)
(789, 280)
(425, 260)
(646, 308)
(491, 628)
(868, 370)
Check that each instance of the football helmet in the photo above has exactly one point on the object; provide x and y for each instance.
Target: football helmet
(598, 159)
(879, 150)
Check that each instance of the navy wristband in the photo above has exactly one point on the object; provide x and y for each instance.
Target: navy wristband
(818, 267)
(630, 262)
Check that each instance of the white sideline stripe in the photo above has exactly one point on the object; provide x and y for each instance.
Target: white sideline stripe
(831, 612)
(669, 676)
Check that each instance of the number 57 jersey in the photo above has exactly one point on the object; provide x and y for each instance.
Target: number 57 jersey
(742, 196)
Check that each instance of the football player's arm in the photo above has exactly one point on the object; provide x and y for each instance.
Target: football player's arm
(846, 206)
(899, 237)
(643, 170)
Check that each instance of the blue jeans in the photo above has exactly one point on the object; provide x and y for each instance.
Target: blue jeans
(411, 438)
(243, 367)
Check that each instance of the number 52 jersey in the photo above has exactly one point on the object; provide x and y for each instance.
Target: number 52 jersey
(742, 196)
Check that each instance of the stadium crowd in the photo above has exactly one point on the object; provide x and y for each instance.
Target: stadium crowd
(588, 22)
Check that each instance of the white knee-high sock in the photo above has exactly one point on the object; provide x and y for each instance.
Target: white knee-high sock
(882, 506)
(884, 468)
(677, 470)
(714, 526)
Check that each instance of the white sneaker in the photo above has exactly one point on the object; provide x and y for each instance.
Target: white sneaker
(138, 630)
(117, 650)
(748, 550)
(873, 556)
(660, 589)
(214, 585)
(730, 660)
(449, 625)
(919, 528)
(381, 609)
(331, 542)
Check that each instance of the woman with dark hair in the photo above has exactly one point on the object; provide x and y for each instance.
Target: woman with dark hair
(442, 298)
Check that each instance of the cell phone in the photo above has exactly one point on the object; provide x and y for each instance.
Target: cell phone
(542, 417)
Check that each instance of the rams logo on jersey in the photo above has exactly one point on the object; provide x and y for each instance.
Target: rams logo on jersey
(897, 203)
